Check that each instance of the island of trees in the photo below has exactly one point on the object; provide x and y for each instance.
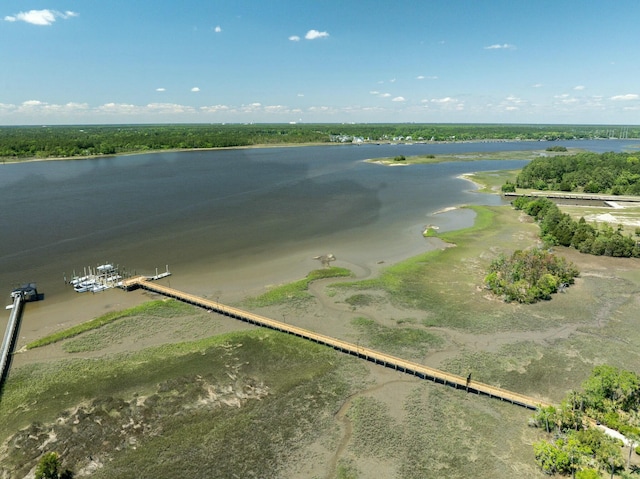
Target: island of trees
(529, 276)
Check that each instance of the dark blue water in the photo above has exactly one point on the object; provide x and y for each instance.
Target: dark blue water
(227, 209)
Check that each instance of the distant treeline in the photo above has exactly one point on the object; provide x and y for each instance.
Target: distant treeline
(70, 141)
(557, 228)
(608, 173)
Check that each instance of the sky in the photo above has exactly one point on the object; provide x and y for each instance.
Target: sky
(319, 61)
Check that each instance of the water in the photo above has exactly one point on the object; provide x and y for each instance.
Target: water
(232, 214)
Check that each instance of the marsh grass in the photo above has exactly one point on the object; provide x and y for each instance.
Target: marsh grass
(160, 308)
(406, 341)
(493, 155)
(296, 291)
(442, 433)
(448, 283)
(492, 181)
(305, 382)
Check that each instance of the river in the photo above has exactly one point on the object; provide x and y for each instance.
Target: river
(233, 219)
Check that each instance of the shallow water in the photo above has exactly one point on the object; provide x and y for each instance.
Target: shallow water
(230, 219)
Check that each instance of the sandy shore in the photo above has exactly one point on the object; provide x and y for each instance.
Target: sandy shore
(228, 284)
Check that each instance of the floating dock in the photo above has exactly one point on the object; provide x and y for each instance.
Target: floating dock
(414, 369)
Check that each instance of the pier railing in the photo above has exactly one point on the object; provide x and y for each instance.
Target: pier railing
(10, 334)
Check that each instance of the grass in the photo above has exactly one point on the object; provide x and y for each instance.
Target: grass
(296, 291)
(160, 308)
(400, 341)
(177, 432)
(440, 433)
(496, 155)
(414, 429)
(492, 181)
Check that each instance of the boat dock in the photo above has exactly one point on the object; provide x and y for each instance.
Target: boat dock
(398, 364)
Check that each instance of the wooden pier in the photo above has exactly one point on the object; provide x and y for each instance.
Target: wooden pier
(414, 369)
(10, 334)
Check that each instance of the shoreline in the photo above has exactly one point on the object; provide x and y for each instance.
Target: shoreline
(251, 279)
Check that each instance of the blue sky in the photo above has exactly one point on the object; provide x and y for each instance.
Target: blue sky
(213, 61)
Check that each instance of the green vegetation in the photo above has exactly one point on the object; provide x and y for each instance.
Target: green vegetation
(557, 228)
(198, 400)
(296, 291)
(396, 341)
(446, 284)
(473, 156)
(92, 140)
(557, 149)
(160, 308)
(610, 395)
(50, 467)
(399, 158)
(492, 181)
(608, 173)
(529, 276)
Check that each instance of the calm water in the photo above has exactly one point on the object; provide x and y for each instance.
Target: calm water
(227, 210)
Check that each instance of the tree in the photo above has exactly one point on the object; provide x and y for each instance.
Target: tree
(609, 456)
(50, 467)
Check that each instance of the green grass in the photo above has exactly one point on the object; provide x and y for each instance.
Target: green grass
(296, 291)
(399, 341)
(492, 181)
(493, 155)
(177, 435)
(447, 284)
(160, 308)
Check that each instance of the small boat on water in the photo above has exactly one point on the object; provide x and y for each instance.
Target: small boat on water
(102, 277)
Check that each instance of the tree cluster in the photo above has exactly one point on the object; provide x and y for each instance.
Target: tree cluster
(609, 395)
(557, 228)
(529, 276)
(606, 173)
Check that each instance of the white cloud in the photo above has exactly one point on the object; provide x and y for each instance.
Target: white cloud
(217, 29)
(420, 77)
(399, 99)
(294, 38)
(503, 46)
(214, 108)
(446, 99)
(315, 34)
(374, 92)
(627, 97)
(161, 89)
(300, 95)
(579, 87)
(393, 80)
(195, 89)
(384, 95)
(40, 17)
(536, 85)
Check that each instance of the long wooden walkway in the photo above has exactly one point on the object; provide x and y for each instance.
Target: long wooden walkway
(415, 369)
(10, 334)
